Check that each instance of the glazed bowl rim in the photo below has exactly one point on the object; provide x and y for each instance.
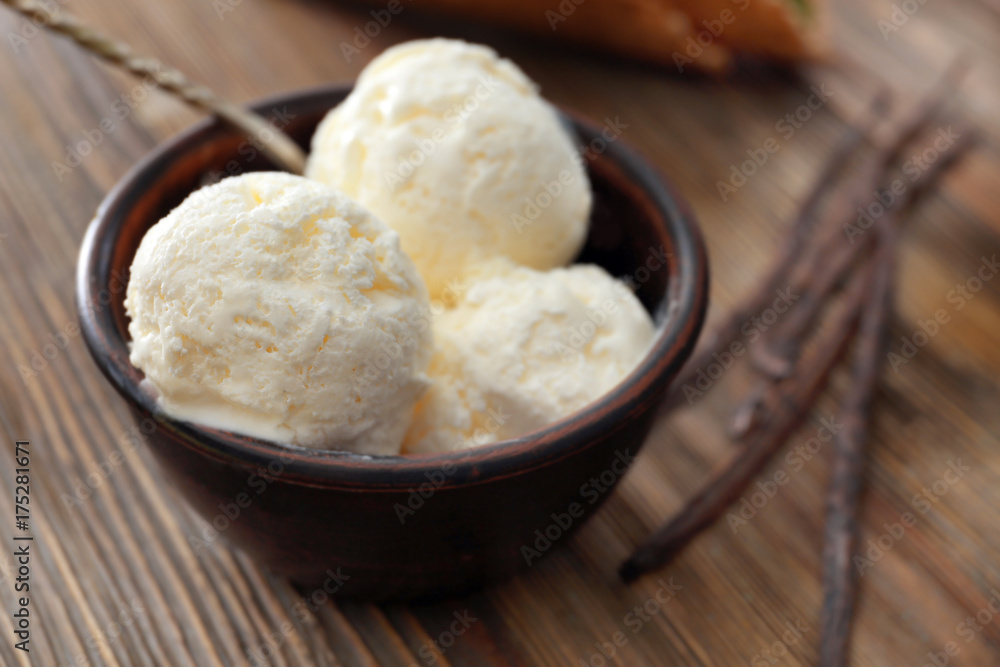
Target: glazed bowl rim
(676, 334)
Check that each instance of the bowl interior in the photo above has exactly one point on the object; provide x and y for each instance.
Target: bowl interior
(639, 230)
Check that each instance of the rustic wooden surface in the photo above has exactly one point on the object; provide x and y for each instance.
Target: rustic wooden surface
(113, 578)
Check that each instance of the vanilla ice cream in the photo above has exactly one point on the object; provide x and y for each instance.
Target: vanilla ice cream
(274, 306)
(453, 147)
(523, 349)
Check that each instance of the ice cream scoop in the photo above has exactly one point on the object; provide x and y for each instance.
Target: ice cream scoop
(453, 147)
(524, 348)
(274, 306)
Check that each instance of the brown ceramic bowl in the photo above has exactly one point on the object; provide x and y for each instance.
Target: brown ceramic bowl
(400, 527)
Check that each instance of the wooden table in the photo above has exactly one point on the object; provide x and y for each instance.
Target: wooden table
(113, 578)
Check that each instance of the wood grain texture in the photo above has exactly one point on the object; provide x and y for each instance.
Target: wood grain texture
(114, 578)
